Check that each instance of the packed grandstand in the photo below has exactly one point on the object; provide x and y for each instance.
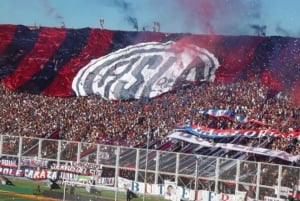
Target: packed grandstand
(225, 96)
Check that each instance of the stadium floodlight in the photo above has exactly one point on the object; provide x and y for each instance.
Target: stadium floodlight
(158, 26)
(154, 26)
(101, 23)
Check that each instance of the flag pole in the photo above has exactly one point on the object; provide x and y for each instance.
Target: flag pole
(146, 161)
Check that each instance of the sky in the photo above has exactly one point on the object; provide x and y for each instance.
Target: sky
(221, 17)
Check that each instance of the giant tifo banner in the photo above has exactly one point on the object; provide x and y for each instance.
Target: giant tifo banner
(235, 147)
(131, 65)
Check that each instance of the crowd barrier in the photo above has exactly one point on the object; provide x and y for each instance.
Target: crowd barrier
(146, 171)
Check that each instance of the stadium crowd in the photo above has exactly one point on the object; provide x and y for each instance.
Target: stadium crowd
(127, 122)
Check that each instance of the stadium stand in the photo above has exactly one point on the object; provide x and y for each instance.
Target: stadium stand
(30, 56)
(257, 78)
(75, 119)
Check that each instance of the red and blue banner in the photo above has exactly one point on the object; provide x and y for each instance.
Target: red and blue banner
(213, 133)
(194, 139)
(230, 115)
(131, 65)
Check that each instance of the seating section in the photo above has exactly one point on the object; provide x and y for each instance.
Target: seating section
(258, 78)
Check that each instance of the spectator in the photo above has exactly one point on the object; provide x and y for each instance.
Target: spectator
(126, 123)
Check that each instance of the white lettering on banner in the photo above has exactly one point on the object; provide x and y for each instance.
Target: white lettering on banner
(106, 181)
(203, 131)
(36, 174)
(177, 193)
(11, 172)
(78, 169)
(53, 175)
(29, 173)
(203, 195)
(40, 174)
(9, 163)
(145, 70)
(19, 173)
(34, 163)
(70, 168)
(68, 176)
(262, 151)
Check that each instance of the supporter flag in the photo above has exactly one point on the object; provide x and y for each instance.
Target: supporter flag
(230, 115)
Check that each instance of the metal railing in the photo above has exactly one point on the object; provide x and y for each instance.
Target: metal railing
(196, 172)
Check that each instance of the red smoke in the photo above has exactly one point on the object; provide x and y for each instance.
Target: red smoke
(270, 79)
(295, 93)
(200, 13)
(214, 16)
(207, 12)
(181, 44)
